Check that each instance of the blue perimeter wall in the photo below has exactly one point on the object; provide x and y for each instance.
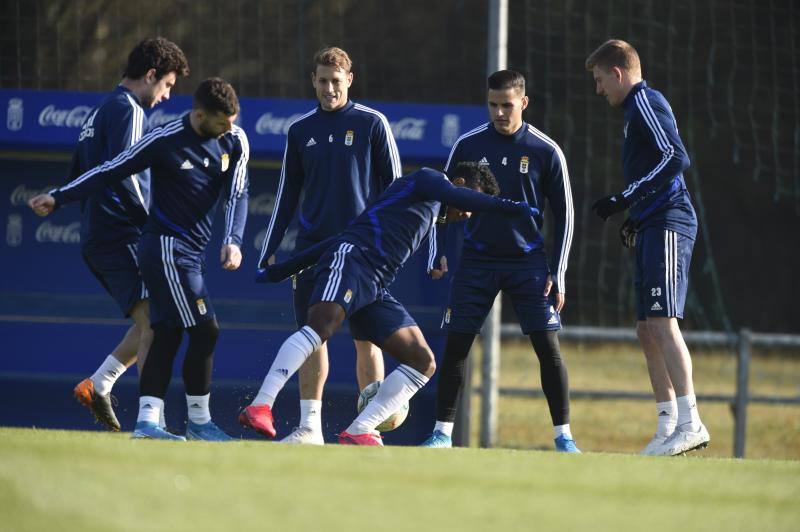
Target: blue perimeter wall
(58, 324)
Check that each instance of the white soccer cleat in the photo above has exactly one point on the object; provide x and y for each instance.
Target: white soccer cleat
(657, 441)
(684, 440)
(304, 436)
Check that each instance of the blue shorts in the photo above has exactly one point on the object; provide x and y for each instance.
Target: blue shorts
(343, 276)
(118, 272)
(174, 277)
(302, 288)
(662, 273)
(474, 289)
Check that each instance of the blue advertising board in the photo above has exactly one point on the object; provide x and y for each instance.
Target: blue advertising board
(424, 132)
(57, 323)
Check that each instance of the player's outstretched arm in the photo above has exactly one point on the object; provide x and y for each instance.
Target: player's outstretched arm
(437, 187)
(131, 161)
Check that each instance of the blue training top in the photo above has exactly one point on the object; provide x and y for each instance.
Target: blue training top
(340, 161)
(392, 228)
(115, 214)
(189, 173)
(653, 162)
(529, 166)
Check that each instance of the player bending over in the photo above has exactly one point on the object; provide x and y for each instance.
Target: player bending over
(352, 273)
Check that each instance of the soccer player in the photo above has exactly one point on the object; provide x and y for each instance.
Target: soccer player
(339, 157)
(351, 280)
(662, 227)
(508, 254)
(112, 218)
(193, 160)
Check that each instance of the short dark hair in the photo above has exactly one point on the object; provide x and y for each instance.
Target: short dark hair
(216, 94)
(477, 176)
(158, 53)
(615, 53)
(506, 79)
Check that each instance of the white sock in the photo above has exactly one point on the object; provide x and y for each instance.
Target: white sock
(687, 412)
(294, 351)
(399, 387)
(150, 409)
(311, 414)
(445, 427)
(667, 413)
(197, 406)
(107, 374)
(562, 430)
(162, 421)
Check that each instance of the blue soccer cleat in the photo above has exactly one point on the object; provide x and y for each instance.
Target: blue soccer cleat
(206, 432)
(438, 440)
(566, 445)
(148, 430)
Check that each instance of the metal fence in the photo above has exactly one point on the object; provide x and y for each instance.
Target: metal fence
(741, 343)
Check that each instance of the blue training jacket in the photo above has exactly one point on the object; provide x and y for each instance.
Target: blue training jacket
(114, 215)
(393, 227)
(189, 174)
(653, 162)
(340, 162)
(529, 166)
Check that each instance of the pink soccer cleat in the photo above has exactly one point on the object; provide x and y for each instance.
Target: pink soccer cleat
(360, 439)
(259, 418)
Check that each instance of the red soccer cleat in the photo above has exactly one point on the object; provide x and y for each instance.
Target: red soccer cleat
(259, 418)
(360, 439)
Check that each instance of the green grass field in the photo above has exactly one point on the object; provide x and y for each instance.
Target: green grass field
(773, 431)
(98, 481)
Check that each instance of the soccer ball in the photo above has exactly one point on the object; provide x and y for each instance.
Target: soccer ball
(390, 423)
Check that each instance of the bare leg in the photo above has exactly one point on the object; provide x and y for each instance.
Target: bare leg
(690, 433)
(128, 350)
(409, 347)
(656, 366)
(369, 363)
(141, 318)
(666, 335)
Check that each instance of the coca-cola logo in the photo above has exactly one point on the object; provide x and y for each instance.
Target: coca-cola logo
(261, 204)
(269, 124)
(21, 194)
(59, 234)
(53, 116)
(159, 117)
(409, 128)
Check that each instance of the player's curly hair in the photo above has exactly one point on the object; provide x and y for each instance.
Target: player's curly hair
(159, 53)
(216, 94)
(478, 177)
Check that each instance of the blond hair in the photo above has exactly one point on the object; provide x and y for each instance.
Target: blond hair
(615, 53)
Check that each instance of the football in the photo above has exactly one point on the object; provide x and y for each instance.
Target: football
(390, 423)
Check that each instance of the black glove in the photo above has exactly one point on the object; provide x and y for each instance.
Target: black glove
(605, 207)
(627, 233)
